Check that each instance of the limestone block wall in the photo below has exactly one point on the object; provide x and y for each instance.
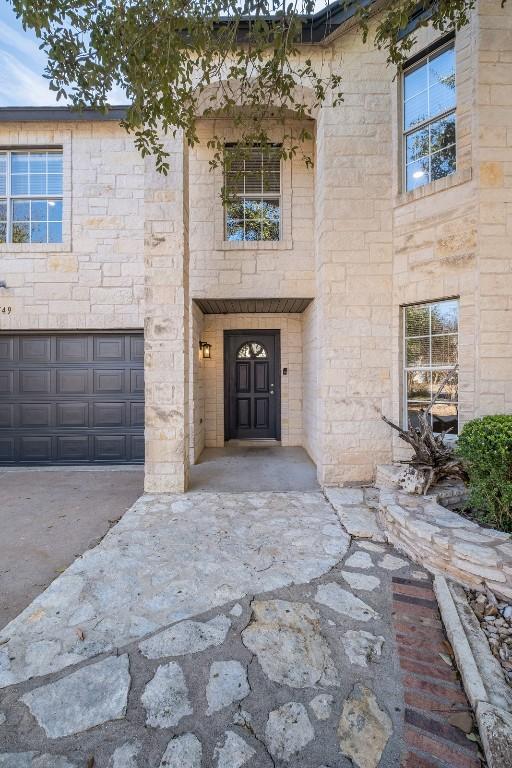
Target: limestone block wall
(213, 374)
(353, 243)
(166, 328)
(311, 344)
(435, 236)
(493, 172)
(220, 269)
(196, 385)
(95, 278)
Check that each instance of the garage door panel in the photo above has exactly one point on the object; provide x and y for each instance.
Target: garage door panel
(72, 448)
(7, 449)
(108, 348)
(6, 415)
(34, 448)
(137, 381)
(71, 398)
(71, 349)
(72, 382)
(136, 349)
(35, 382)
(72, 415)
(7, 350)
(6, 383)
(137, 414)
(109, 415)
(36, 414)
(109, 382)
(137, 446)
(36, 349)
(109, 447)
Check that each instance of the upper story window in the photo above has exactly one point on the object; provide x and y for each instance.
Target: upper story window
(429, 102)
(430, 353)
(31, 196)
(252, 184)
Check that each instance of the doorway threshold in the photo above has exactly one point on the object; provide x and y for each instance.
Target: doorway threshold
(251, 442)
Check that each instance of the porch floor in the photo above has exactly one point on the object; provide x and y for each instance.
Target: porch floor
(240, 468)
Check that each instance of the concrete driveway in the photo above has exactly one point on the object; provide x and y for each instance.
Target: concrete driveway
(48, 517)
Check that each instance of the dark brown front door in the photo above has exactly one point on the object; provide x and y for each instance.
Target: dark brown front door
(252, 385)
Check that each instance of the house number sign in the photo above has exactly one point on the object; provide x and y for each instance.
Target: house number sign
(5, 310)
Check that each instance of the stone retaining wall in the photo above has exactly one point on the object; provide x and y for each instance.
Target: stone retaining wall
(445, 542)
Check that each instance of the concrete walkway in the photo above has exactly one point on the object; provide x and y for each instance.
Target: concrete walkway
(48, 517)
(242, 466)
(211, 629)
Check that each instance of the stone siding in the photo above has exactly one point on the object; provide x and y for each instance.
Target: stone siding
(95, 278)
(352, 241)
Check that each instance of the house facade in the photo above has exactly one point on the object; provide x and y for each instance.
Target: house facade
(142, 319)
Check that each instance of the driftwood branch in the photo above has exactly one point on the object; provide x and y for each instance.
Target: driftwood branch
(433, 459)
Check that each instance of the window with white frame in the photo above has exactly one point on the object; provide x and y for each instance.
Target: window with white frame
(31, 196)
(430, 352)
(252, 188)
(429, 104)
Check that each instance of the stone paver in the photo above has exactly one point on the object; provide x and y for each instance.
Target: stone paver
(165, 697)
(125, 756)
(344, 602)
(93, 695)
(234, 752)
(290, 649)
(288, 730)
(227, 684)
(244, 630)
(186, 637)
(364, 728)
(183, 752)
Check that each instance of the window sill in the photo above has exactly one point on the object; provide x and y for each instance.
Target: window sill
(440, 185)
(33, 248)
(254, 245)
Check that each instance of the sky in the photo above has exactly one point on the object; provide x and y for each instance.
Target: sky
(22, 64)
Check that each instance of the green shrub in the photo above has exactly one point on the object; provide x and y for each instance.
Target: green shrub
(485, 445)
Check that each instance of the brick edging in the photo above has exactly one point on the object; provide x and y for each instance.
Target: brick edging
(432, 689)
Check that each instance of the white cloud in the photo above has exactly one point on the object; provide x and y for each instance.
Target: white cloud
(20, 85)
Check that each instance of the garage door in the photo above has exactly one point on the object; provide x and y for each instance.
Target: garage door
(72, 398)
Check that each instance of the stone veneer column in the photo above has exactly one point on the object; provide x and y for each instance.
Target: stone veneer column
(166, 325)
(353, 246)
(493, 173)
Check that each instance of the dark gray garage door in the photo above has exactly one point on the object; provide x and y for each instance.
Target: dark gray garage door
(72, 398)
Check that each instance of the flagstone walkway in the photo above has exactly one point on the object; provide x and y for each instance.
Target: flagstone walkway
(211, 629)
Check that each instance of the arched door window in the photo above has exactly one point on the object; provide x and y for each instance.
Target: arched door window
(251, 350)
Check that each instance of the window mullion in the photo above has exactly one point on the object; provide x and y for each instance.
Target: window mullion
(9, 200)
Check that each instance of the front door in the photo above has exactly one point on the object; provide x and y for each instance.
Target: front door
(252, 385)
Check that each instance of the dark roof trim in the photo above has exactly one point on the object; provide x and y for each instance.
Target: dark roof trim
(318, 26)
(55, 114)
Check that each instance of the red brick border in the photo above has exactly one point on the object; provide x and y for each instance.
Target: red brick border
(432, 690)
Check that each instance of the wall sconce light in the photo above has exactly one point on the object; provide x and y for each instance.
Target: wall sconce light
(205, 349)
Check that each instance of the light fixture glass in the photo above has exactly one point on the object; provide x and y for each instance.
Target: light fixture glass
(205, 349)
